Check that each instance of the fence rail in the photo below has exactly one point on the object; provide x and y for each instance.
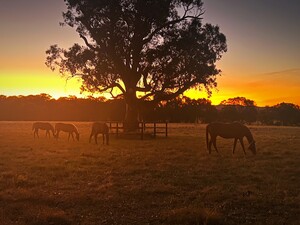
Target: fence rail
(152, 128)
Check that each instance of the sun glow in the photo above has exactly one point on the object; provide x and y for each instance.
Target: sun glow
(30, 84)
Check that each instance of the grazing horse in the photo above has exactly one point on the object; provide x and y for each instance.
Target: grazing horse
(100, 128)
(42, 126)
(68, 128)
(229, 130)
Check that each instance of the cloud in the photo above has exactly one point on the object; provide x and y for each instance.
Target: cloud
(291, 71)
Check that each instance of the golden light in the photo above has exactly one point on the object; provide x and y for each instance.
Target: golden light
(31, 84)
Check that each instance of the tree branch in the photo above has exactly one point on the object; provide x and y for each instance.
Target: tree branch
(120, 87)
(184, 17)
(161, 96)
(87, 43)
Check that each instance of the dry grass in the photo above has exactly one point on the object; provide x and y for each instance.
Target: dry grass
(156, 181)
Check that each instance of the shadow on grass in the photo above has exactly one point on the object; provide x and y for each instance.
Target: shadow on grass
(191, 216)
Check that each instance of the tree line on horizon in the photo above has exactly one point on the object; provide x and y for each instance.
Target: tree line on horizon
(181, 109)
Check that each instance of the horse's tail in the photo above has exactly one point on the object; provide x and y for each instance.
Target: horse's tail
(207, 136)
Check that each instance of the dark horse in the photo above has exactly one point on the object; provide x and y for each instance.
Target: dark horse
(68, 128)
(100, 128)
(229, 130)
(42, 126)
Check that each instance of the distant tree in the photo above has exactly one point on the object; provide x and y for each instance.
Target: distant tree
(267, 115)
(174, 110)
(196, 109)
(183, 109)
(238, 101)
(249, 114)
(287, 113)
(239, 108)
(230, 113)
(150, 50)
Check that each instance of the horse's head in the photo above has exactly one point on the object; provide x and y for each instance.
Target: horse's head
(252, 147)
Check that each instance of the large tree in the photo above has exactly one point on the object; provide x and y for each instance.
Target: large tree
(150, 50)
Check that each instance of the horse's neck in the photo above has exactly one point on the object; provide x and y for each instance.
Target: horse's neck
(75, 130)
(249, 136)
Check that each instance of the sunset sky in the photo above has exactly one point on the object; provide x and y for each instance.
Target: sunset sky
(262, 62)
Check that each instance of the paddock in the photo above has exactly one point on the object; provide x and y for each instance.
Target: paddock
(155, 181)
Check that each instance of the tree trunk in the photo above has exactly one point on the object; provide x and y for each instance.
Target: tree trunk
(131, 122)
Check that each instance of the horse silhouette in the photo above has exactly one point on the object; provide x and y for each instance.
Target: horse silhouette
(68, 128)
(100, 128)
(42, 126)
(229, 130)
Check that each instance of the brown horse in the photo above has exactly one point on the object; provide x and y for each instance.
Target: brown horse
(100, 128)
(229, 130)
(68, 128)
(42, 126)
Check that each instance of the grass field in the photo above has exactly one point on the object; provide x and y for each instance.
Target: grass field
(155, 181)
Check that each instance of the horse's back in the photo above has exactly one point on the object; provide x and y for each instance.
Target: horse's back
(99, 127)
(227, 130)
(42, 125)
(67, 127)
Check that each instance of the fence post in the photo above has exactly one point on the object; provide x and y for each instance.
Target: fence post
(166, 129)
(117, 129)
(142, 130)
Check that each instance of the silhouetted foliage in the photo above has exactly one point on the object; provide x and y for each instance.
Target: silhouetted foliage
(181, 109)
(230, 113)
(266, 115)
(44, 107)
(287, 113)
(242, 101)
(238, 109)
(157, 48)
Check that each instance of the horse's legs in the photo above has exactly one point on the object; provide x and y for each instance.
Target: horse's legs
(37, 133)
(214, 141)
(96, 138)
(70, 135)
(47, 133)
(242, 144)
(209, 146)
(103, 137)
(107, 138)
(91, 137)
(234, 145)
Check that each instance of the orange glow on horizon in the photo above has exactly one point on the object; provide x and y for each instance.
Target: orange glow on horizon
(266, 90)
(270, 89)
(34, 84)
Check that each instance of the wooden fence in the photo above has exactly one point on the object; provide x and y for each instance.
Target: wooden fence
(145, 128)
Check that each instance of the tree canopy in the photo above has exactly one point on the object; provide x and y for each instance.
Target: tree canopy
(242, 101)
(147, 49)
